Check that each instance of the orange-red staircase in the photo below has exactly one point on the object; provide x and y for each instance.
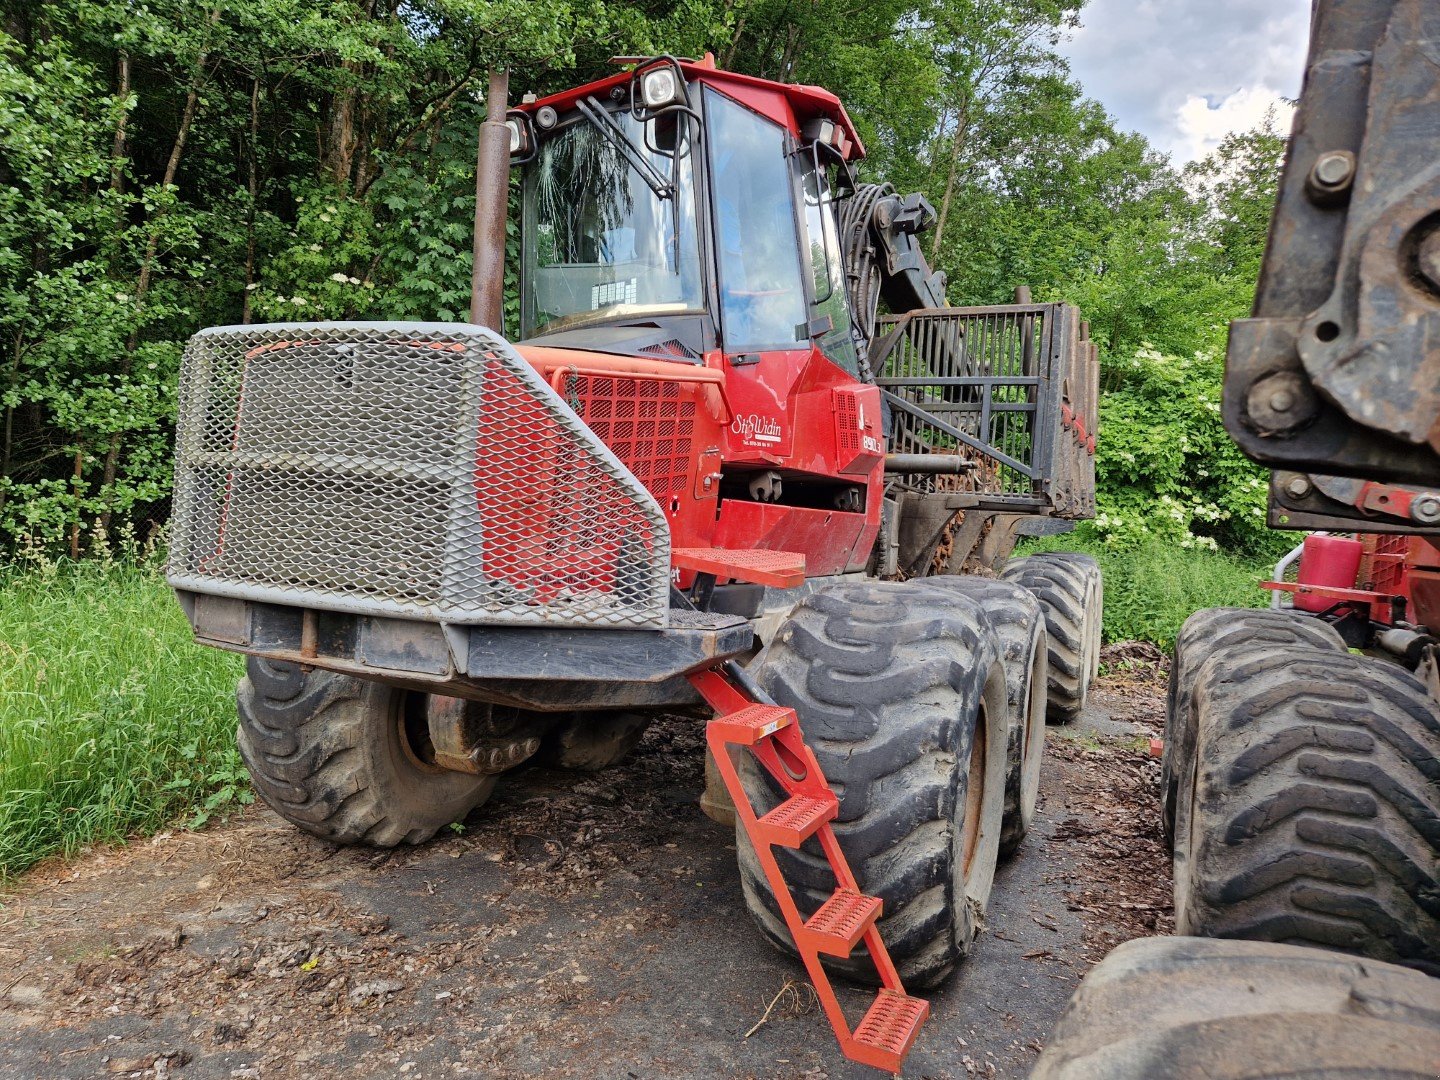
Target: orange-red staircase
(771, 733)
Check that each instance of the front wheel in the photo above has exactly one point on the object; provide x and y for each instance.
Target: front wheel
(900, 691)
(1314, 812)
(345, 759)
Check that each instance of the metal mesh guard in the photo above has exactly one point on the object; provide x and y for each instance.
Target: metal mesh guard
(409, 469)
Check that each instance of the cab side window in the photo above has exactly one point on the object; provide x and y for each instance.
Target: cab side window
(823, 248)
(762, 295)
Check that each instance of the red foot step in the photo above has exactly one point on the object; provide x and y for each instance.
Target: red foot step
(841, 922)
(796, 820)
(888, 1031)
(752, 723)
(780, 569)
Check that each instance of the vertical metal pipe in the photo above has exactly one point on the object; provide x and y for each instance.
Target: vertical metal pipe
(492, 195)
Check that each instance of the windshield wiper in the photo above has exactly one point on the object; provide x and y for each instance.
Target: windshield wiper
(593, 111)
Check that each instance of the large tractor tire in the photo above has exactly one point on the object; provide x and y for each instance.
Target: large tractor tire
(900, 690)
(1196, 1009)
(1019, 625)
(1314, 817)
(591, 741)
(1069, 588)
(1207, 633)
(345, 759)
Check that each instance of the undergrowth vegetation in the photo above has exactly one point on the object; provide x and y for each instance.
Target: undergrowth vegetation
(1153, 587)
(112, 722)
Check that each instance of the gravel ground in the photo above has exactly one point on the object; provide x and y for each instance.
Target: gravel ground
(580, 926)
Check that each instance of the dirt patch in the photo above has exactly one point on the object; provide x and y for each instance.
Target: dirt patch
(580, 925)
(1115, 836)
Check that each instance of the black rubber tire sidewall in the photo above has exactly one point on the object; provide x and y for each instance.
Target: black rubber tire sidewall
(1019, 624)
(889, 679)
(326, 752)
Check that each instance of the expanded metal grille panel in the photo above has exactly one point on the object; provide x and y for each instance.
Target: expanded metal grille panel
(648, 424)
(412, 469)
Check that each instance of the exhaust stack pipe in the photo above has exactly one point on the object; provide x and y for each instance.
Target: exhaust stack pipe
(492, 193)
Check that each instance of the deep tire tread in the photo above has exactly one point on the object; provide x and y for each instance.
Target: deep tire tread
(1068, 586)
(1314, 817)
(887, 679)
(321, 752)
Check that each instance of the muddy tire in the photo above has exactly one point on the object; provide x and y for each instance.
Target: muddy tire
(1198, 1009)
(900, 690)
(1207, 633)
(1019, 625)
(591, 741)
(343, 758)
(1315, 813)
(1068, 586)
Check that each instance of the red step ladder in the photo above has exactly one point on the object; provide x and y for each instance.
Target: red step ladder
(772, 733)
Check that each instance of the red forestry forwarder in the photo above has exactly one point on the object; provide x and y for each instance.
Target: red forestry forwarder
(712, 477)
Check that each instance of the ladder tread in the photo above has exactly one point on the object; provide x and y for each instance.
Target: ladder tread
(839, 923)
(749, 725)
(797, 819)
(889, 1028)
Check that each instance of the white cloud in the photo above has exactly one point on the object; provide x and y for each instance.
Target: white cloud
(1175, 70)
(1200, 122)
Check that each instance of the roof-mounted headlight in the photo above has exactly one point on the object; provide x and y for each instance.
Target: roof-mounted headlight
(660, 87)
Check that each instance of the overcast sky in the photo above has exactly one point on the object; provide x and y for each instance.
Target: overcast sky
(1186, 72)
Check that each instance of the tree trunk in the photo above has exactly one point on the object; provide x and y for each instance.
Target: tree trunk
(962, 125)
(340, 134)
(117, 153)
(254, 189)
(75, 490)
(147, 265)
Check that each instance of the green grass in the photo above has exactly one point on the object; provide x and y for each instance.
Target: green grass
(112, 721)
(1150, 591)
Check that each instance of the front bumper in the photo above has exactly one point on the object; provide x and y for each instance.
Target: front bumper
(548, 668)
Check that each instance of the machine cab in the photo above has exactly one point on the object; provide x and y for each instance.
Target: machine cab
(689, 205)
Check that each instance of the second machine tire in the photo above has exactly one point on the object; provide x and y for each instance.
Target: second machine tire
(1209, 632)
(1068, 586)
(1314, 816)
(900, 690)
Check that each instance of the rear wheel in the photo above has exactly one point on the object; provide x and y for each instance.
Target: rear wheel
(900, 690)
(346, 759)
(591, 741)
(1234, 632)
(1070, 591)
(1019, 625)
(1196, 1009)
(1315, 813)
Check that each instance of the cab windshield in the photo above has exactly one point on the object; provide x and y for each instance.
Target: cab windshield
(599, 241)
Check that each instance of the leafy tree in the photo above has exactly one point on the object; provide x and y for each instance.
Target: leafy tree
(170, 165)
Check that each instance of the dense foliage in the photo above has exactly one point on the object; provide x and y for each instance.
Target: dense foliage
(166, 165)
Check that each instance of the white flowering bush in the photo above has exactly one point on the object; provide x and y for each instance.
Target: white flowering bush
(1166, 470)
